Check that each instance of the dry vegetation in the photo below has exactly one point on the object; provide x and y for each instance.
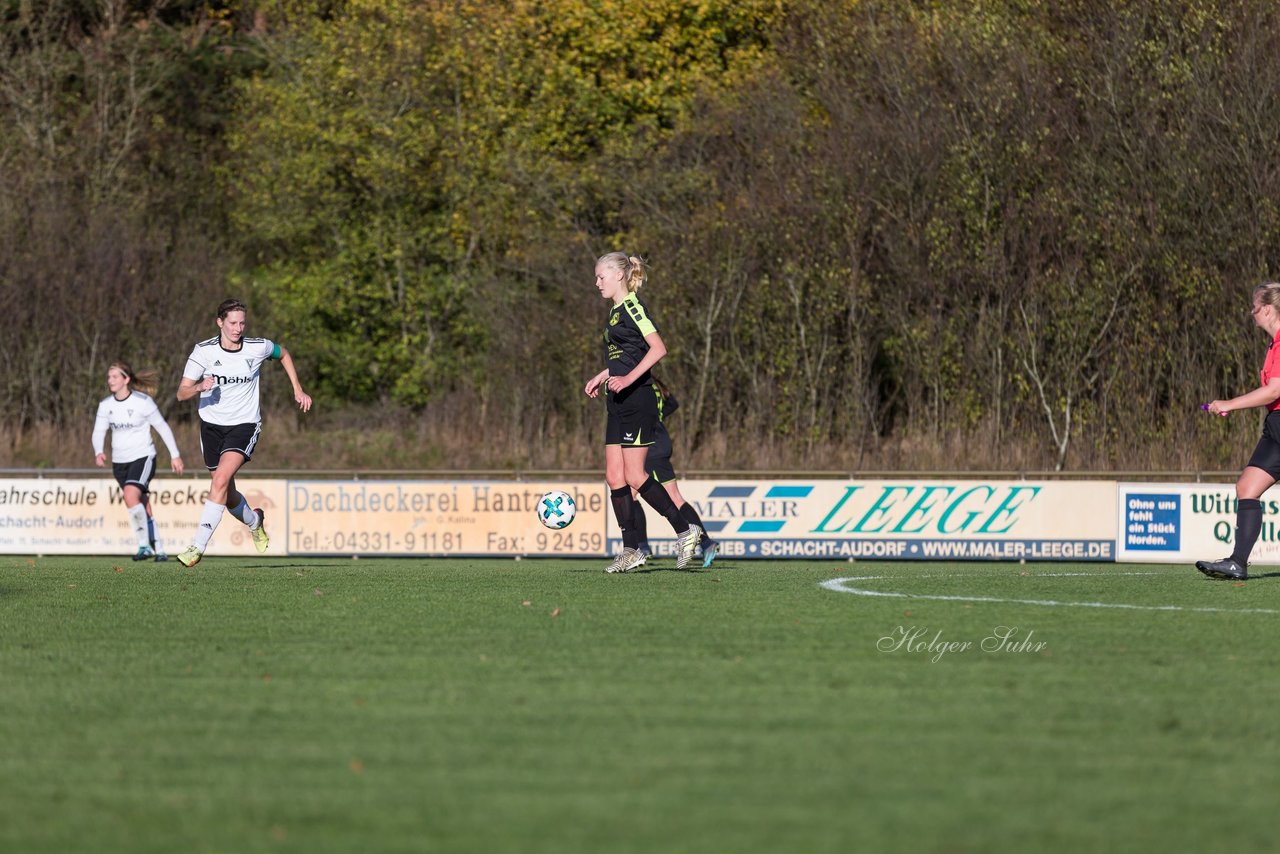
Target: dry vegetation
(397, 440)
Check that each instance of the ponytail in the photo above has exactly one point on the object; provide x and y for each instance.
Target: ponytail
(636, 273)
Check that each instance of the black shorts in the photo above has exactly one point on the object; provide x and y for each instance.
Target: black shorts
(658, 462)
(633, 417)
(217, 439)
(138, 473)
(1266, 455)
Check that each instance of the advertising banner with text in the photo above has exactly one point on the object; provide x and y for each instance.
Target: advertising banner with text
(1183, 523)
(87, 516)
(899, 519)
(496, 518)
(777, 519)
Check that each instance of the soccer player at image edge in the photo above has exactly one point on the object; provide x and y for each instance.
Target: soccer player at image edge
(1263, 467)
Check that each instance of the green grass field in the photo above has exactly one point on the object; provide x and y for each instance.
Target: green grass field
(482, 705)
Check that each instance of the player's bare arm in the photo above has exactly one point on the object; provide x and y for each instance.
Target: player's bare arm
(300, 397)
(592, 388)
(188, 389)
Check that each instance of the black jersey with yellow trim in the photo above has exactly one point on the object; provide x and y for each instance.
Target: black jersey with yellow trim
(624, 344)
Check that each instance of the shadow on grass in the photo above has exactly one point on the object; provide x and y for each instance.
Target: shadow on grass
(646, 569)
(1251, 577)
(232, 563)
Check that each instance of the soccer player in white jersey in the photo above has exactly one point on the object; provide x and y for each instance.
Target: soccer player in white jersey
(130, 413)
(224, 372)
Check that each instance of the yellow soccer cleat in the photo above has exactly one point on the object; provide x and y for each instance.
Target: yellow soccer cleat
(190, 557)
(260, 539)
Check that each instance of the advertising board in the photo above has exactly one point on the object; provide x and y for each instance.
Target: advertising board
(1177, 523)
(900, 519)
(88, 516)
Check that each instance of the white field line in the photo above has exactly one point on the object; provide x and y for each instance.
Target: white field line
(840, 585)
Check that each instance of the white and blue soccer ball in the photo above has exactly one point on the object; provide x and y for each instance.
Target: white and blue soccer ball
(556, 509)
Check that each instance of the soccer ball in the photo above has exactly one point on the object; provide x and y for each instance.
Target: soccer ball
(556, 509)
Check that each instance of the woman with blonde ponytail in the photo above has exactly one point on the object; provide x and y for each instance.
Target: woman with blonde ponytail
(130, 413)
(632, 346)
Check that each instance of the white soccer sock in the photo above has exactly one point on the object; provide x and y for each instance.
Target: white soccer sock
(209, 520)
(245, 513)
(138, 518)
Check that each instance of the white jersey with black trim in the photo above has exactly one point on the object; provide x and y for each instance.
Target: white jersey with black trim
(234, 396)
(130, 421)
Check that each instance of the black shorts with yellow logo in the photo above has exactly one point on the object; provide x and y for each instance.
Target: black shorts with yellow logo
(658, 462)
(633, 417)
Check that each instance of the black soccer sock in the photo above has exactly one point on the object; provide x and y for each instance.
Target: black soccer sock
(1248, 526)
(691, 516)
(624, 507)
(657, 498)
(640, 523)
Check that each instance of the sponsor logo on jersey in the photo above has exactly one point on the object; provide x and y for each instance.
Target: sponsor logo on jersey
(222, 380)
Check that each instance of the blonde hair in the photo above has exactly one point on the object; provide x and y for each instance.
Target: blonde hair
(1268, 293)
(633, 268)
(144, 381)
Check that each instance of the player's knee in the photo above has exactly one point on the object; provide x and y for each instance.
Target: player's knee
(220, 485)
